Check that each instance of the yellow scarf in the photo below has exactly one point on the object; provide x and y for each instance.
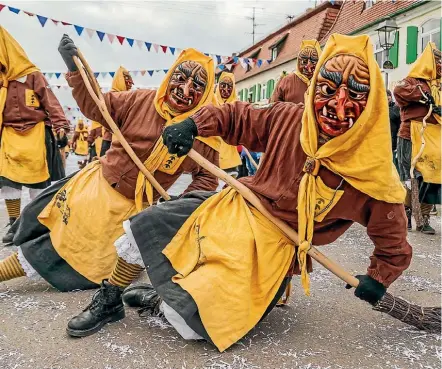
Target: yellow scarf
(232, 96)
(119, 83)
(14, 59)
(305, 44)
(362, 156)
(159, 152)
(425, 68)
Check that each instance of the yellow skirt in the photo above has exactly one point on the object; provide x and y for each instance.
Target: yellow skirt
(85, 218)
(23, 155)
(231, 260)
(429, 164)
(82, 147)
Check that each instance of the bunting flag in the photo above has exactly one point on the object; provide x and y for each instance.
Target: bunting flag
(219, 59)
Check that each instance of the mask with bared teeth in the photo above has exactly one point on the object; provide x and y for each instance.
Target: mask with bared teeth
(341, 94)
(186, 87)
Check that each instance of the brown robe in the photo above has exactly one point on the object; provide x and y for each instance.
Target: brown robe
(135, 115)
(94, 134)
(277, 182)
(22, 117)
(407, 95)
(290, 89)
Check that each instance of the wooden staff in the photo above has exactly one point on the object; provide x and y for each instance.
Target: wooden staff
(250, 158)
(94, 90)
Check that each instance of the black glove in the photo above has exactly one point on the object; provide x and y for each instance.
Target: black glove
(369, 289)
(428, 99)
(68, 50)
(179, 137)
(172, 198)
(436, 109)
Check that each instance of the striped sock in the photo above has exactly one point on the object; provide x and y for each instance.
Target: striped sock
(13, 207)
(426, 208)
(124, 273)
(10, 268)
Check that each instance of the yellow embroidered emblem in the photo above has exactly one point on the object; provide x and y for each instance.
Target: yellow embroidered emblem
(32, 99)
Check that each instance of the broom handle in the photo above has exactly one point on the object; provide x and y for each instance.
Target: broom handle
(95, 92)
(250, 157)
(284, 227)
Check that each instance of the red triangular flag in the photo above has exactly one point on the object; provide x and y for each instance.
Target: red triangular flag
(164, 48)
(28, 13)
(1, 7)
(55, 21)
(121, 39)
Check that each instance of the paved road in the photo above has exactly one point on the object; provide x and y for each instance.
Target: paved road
(331, 329)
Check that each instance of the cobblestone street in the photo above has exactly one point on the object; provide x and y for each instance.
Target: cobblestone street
(331, 329)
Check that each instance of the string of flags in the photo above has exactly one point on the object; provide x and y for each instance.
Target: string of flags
(223, 62)
(104, 89)
(134, 73)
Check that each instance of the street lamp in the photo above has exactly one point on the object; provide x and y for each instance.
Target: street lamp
(387, 34)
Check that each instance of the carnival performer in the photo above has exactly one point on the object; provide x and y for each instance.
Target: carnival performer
(414, 95)
(225, 92)
(29, 111)
(292, 87)
(95, 140)
(67, 236)
(122, 82)
(217, 265)
(79, 140)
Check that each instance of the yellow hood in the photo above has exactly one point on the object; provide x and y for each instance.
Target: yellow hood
(233, 96)
(118, 83)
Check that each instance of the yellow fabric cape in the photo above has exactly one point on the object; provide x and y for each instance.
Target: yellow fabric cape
(159, 152)
(118, 83)
(362, 156)
(14, 59)
(425, 68)
(233, 96)
(305, 44)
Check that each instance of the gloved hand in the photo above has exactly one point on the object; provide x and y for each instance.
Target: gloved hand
(436, 109)
(369, 289)
(172, 198)
(179, 137)
(68, 50)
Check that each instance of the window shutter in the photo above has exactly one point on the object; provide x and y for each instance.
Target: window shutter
(394, 51)
(240, 95)
(258, 92)
(270, 88)
(412, 32)
(246, 95)
(253, 90)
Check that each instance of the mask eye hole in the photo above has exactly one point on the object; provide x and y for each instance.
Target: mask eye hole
(356, 95)
(327, 90)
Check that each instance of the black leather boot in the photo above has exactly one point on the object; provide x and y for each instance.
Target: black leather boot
(9, 236)
(106, 307)
(144, 297)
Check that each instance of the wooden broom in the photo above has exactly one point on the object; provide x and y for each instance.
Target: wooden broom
(428, 319)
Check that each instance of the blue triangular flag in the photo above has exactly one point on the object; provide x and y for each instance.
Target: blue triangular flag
(221, 66)
(150, 72)
(100, 35)
(130, 41)
(79, 29)
(206, 54)
(57, 75)
(172, 50)
(42, 20)
(246, 60)
(165, 70)
(235, 59)
(218, 59)
(148, 45)
(112, 74)
(259, 62)
(96, 74)
(14, 10)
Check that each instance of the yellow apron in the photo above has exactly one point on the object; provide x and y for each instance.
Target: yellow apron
(228, 156)
(232, 276)
(82, 147)
(98, 144)
(23, 155)
(429, 164)
(85, 218)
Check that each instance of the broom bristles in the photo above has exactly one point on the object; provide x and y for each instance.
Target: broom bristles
(423, 318)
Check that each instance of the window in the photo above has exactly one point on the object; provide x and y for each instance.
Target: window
(277, 46)
(430, 32)
(264, 91)
(274, 53)
(369, 4)
(379, 54)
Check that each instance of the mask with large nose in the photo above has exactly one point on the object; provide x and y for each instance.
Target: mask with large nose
(341, 94)
(186, 87)
(307, 60)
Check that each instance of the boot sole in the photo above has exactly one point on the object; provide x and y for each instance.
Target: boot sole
(88, 332)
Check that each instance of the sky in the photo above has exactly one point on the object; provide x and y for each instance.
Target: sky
(218, 27)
